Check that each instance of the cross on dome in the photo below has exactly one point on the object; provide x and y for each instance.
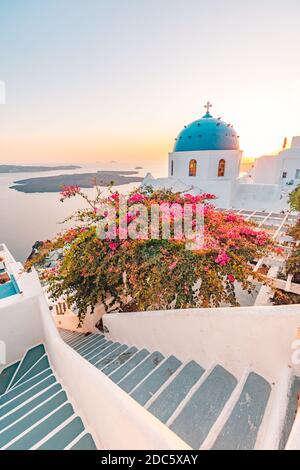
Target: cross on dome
(207, 106)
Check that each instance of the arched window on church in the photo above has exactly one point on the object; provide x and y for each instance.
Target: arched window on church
(172, 167)
(221, 167)
(193, 168)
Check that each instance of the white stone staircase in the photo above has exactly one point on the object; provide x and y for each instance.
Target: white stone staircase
(35, 411)
(208, 409)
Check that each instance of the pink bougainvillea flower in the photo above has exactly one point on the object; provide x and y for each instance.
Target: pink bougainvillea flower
(222, 259)
(69, 191)
(114, 197)
(136, 198)
(173, 265)
(113, 246)
(231, 278)
(231, 217)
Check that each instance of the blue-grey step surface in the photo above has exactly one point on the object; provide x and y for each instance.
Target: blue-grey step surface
(85, 443)
(119, 361)
(29, 406)
(110, 357)
(75, 340)
(6, 376)
(201, 411)
(81, 341)
(154, 381)
(109, 348)
(92, 346)
(143, 375)
(140, 372)
(41, 430)
(65, 333)
(240, 430)
(290, 412)
(103, 345)
(19, 389)
(28, 394)
(129, 365)
(170, 398)
(71, 335)
(36, 410)
(30, 358)
(31, 419)
(65, 436)
(39, 366)
(85, 344)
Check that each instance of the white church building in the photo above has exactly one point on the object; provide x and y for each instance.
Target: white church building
(207, 158)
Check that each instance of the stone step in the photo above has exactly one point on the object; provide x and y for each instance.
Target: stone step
(110, 346)
(35, 412)
(65, 436)
(42, 429)
(240, 430)
(29, 406)
(119, 361)
(290, 413)
(7, 375)
(78, 342)
(32, 419)
(110, 357)
(72, 340)
(87, 343)
(9, 395)
(140, 372)
(85, 350)
(28, 361)
(133, 362)
(85, 443)
(41, 365)
(28, 394)
(100, 347)
(201, 411)
(170, 398)
(143, 392)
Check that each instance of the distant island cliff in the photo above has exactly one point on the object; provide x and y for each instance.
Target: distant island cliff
(54, 184)
(34, 169)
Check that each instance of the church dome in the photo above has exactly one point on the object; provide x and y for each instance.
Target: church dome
(207, 133)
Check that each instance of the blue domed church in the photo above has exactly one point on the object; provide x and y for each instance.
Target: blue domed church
(206, 158)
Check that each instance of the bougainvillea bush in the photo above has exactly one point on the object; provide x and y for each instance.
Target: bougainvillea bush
(151, 274)
(294, 199)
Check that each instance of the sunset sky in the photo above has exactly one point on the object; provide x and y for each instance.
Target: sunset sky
(95, 80)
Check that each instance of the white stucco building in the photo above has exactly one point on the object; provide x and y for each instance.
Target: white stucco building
(281, 169)
(207, 157)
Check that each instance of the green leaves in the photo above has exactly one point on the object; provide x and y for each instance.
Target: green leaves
(294, 199)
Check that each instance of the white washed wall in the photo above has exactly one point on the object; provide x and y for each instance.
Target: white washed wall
(236, 337)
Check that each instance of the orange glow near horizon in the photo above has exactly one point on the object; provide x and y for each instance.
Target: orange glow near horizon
(117, 87)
